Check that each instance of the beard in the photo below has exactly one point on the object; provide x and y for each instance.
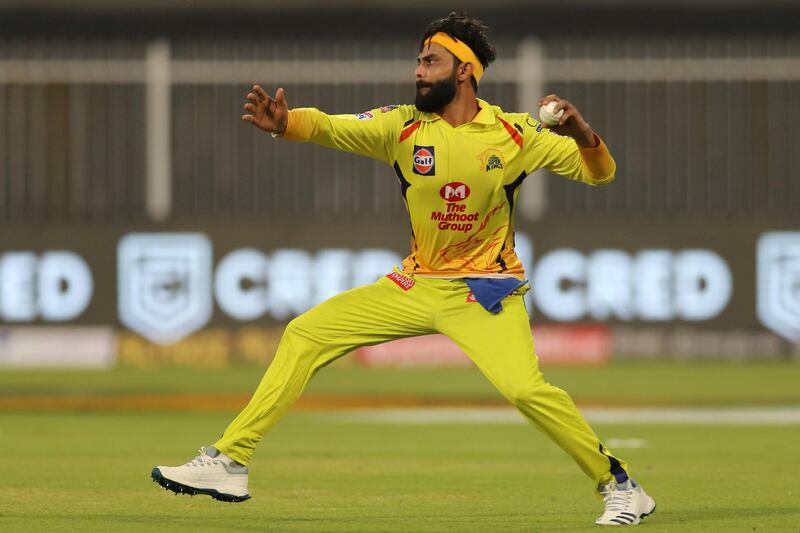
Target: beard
(440, 93)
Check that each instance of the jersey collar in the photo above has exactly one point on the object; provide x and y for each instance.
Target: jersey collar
(485, 114)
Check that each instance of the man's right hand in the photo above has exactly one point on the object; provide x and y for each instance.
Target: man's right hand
(269, 114)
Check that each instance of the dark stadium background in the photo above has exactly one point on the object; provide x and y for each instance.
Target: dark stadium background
(153, 247)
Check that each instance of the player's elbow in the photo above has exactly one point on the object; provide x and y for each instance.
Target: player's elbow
(599, 175)
(597, 166)
(599, 181)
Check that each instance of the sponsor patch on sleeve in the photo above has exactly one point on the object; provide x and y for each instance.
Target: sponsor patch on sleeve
(534, 124)
(366, 115)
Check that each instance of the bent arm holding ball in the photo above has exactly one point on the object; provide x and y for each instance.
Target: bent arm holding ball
(570, 122)
(571, 148)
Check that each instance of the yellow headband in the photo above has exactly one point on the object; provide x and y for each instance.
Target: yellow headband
(463, 52)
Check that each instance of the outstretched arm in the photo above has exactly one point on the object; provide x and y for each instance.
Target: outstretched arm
(371, 133)
(264, 112)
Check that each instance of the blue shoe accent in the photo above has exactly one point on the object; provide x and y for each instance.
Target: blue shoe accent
(179, 488)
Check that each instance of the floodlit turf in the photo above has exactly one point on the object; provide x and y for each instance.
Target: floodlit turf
(82, 472)
(73, 471)
(648, 383)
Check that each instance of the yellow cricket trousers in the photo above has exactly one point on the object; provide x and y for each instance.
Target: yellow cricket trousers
(500, 344)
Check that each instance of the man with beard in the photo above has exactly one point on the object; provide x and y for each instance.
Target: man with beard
(460, 162)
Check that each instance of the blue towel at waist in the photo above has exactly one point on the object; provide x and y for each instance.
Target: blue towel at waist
(490, 291)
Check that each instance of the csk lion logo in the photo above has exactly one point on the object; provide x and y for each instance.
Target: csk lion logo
(493, 162)
(491, 159)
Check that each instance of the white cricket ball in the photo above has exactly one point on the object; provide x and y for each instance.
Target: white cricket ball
(547, 116)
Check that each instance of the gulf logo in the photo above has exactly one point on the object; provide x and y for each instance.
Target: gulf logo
(424, 161)
(454, 191)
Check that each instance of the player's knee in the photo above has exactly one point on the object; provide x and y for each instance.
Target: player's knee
(520, 393)
(297, 328)
(301, 330)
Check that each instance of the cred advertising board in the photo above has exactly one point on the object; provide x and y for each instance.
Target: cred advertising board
(165, 284)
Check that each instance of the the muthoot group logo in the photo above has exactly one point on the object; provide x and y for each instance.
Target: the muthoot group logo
(454, 191)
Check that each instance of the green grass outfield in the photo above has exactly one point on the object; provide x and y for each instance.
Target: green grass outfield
(90, 472)
(327, 471)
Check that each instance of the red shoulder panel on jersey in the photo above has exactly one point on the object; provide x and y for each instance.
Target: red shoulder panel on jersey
(513, 132)
(406, 133)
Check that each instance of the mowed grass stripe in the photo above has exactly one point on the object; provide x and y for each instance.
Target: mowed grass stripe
(754, 416)
(400, 409)
(218, 402)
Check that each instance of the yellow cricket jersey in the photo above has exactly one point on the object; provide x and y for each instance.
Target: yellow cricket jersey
(459, 185)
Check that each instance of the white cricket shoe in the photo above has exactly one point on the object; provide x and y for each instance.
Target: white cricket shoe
(626, 504)
(212, 473)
